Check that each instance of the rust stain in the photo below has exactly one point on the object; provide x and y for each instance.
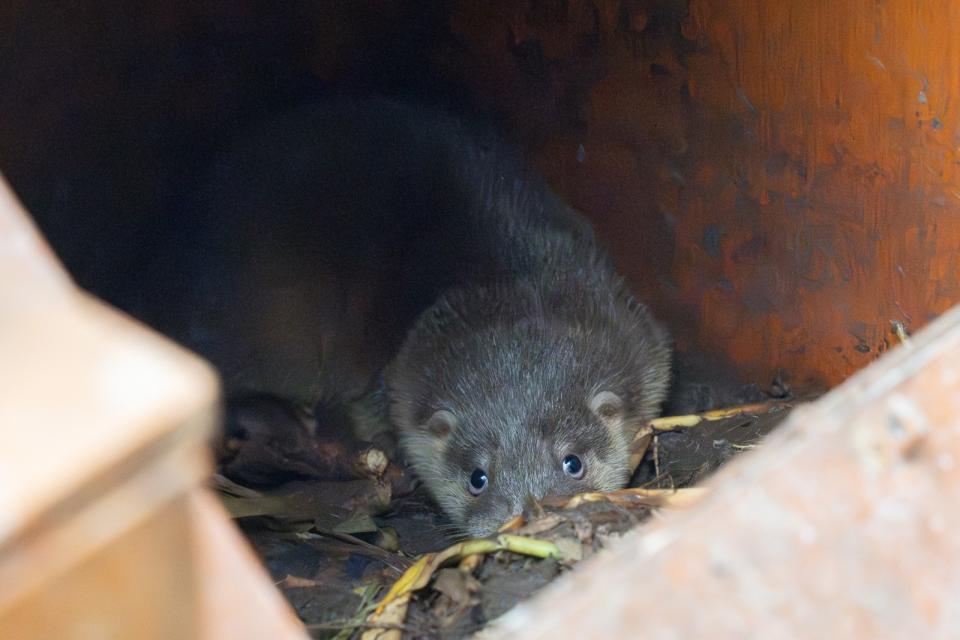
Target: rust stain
(821, 137)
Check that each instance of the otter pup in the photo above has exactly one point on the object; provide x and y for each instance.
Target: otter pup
(516, 362)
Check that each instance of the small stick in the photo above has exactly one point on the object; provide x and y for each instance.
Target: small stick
(900, 331)
(656, 456)
(639, 447)
(339, 625)
(470, 563)
(670, 423)
(393, 608)
(387, 557)
(669, 498)
(647, 435)
(266, 437)
(512, 524)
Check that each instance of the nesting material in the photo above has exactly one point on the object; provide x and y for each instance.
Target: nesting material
(364, 553)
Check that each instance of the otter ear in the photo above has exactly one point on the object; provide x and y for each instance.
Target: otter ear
(609, 408)
(441, 424)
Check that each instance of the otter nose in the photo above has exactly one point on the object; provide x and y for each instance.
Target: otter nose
(523, 502)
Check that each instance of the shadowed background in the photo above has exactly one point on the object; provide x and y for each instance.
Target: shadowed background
(777, 180)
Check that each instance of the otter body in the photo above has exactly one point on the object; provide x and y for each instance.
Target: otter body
(359, 237)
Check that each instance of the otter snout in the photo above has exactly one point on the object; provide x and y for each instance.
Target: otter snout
(481, 525)
(509, 508)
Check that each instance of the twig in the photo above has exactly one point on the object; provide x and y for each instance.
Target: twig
(669, 498)
(392, 609)
(671, 423)
(646, 436)
(338, 625)
(656, 456)
(383, 554)
(900, 331)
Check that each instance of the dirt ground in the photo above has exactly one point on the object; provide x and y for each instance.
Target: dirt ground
(335, 545)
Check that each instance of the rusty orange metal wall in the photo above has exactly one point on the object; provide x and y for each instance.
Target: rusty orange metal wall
(779, 178)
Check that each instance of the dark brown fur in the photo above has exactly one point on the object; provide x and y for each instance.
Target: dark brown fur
(372, 232)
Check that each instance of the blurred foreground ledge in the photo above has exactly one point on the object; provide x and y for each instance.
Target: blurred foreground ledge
(105, 530)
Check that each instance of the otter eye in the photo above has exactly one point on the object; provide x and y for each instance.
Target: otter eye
(573, 467)
(478, 481)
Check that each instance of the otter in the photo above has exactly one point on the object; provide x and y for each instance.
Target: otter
(363, 238)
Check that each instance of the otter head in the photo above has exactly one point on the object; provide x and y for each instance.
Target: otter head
(494, 414)
(484, 463)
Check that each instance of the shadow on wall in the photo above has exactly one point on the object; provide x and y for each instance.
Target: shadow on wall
(776, 213)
